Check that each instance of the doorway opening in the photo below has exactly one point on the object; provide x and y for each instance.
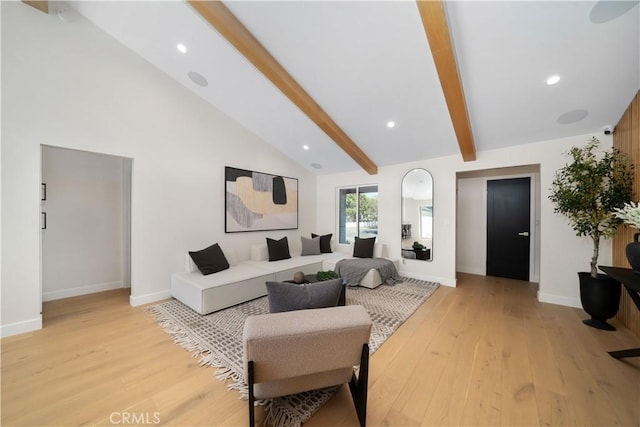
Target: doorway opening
(475, 253)
(85, 240)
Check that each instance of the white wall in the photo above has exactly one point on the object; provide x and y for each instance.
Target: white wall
(70, 85)
(562, 254)
(389, 179)
(471, 223)
(82, 246)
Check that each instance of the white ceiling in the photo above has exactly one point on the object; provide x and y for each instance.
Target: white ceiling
(367, 62)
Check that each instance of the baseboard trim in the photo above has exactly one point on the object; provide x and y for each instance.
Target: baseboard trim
(478, 271)
(559, 300)
(82, 290)
(149, 298)
(428, 278)
(21, 327)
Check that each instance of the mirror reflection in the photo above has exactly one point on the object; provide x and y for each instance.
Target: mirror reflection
(417, 215)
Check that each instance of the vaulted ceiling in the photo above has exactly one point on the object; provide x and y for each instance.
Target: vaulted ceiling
(367, 63)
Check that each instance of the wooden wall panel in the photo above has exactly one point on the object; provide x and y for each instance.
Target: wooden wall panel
(626, 138)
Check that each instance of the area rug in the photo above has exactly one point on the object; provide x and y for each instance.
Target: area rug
(216, 339)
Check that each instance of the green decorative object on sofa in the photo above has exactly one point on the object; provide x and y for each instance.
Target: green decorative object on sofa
(326, 275)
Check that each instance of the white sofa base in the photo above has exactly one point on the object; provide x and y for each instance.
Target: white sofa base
(206, 294)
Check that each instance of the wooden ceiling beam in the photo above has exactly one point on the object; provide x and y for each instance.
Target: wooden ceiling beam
(221, 18)
(42, 5)
(434, 20)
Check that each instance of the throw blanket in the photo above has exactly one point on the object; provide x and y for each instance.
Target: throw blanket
(353, 270)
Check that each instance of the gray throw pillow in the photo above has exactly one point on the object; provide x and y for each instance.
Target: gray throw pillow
(324, 294)
(286, 297)
(310, 246)
(290, 296)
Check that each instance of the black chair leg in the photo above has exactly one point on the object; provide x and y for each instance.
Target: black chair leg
(252, 415)
(359, 386)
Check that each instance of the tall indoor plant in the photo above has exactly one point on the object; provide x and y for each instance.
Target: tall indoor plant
(587, 191)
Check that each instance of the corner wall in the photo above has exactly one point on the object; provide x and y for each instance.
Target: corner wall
(70, 85)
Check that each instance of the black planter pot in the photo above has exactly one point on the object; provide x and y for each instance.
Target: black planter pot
(600, 298)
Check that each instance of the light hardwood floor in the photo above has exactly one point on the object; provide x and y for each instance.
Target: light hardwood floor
(483, 354)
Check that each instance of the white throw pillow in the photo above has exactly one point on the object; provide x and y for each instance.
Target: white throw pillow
(259, 252)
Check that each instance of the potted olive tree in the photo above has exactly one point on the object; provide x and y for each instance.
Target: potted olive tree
(587, 191)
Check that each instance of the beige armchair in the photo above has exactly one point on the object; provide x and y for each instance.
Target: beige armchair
(296, 351)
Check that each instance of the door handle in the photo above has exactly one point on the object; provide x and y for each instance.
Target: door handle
(44, 221)
(524, 233)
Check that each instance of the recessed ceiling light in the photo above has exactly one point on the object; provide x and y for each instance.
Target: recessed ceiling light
(391, 124)
(316, 165)
(306, 147)
(181, 48)
(553, 80)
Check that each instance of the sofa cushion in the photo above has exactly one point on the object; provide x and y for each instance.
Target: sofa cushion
(363, 248)
(310, 246)
(259, 252)
(284, 296)
(278, 249)
(325, 242)
(210, 260)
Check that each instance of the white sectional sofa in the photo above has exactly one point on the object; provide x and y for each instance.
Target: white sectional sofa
(244, 281)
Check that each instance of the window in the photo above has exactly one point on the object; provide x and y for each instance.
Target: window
(358, 213)
(426, 222)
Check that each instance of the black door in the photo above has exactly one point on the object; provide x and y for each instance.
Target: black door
(508, 220)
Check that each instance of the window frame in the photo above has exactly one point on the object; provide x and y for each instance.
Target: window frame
(341, 231)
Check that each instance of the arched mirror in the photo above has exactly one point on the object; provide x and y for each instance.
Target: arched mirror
(417, 215)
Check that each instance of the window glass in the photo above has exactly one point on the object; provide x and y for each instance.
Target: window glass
(358, 213)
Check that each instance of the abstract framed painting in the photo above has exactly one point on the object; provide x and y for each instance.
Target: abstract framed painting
(256, 201)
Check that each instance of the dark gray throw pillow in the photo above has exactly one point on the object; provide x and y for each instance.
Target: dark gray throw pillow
(363, 248)
(278, 249)
(284, 296)
(325, 242)
(324, 294)
(210, 260)
(310, 246)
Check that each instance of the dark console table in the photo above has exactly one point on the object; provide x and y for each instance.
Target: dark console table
(631, 283)
(422, 254)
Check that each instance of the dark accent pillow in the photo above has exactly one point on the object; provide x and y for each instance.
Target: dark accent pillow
(284, 296)
(278, 249)
(363, 248)
(325, 242)
(324, 294)
(210, 260)
(310, 246)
